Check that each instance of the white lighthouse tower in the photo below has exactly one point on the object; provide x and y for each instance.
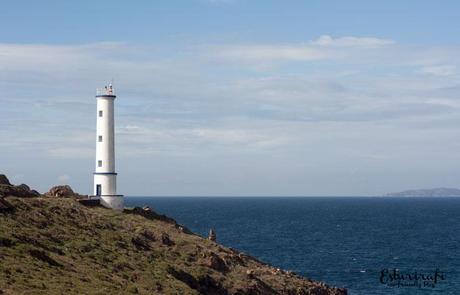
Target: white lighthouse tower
(105, 178)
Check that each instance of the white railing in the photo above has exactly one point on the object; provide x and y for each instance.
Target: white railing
(105, 91)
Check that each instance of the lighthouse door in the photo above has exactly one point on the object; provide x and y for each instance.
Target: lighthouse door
(98, 189)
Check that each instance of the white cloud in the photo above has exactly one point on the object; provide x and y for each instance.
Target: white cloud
(269, 52)
(63, 178)
(239, 137)
(54, 57)
(71, 153)
(441, 70)
(193, 138)
(323, 48)
(363, 42)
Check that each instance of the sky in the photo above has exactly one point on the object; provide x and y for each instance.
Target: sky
(234, 97)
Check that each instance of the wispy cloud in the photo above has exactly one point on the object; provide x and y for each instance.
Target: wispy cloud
(349, 41)
(325, 47)
(63, 178)
(269, 52)
(441, 70)
(71, 153)
(194, 138)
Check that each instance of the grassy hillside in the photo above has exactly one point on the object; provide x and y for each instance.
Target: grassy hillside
(56, 245)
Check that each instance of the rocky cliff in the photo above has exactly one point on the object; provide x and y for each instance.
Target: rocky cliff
(55, 245)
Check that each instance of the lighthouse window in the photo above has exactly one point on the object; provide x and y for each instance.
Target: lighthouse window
(99, 163)
(100, 113)
(100, 138)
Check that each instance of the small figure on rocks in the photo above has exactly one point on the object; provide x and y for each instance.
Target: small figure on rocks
(212, 235)
(147, 209)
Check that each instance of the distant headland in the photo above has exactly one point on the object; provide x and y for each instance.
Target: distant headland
(434, 192)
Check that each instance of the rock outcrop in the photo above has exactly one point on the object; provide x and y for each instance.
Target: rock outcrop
(4, 180)
(61, 191)
(21, 191)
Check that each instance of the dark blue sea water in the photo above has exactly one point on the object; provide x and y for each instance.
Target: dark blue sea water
(344, 241)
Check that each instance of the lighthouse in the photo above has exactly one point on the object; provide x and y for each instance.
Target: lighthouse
(105, 177)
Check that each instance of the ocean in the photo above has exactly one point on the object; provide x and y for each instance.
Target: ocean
(369, 245)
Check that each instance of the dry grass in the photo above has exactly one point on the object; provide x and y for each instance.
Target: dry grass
(56, 246)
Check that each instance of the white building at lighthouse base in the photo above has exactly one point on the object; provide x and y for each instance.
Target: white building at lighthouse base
(104, 189)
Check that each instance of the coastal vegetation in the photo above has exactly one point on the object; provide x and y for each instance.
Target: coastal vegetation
(60, 243)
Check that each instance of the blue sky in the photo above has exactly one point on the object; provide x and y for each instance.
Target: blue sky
(56, 22)
(234, 97)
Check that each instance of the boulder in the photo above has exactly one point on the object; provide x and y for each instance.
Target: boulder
(17, 191)
(147, 209)
(166, 240)
(143, 238)
(141, 243)
(20, 191)
(24, 187)
(148, 234)
(217, 263)
(4, 179)
(61, 191)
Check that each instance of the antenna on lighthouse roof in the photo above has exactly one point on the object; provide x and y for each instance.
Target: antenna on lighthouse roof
(110, 88)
